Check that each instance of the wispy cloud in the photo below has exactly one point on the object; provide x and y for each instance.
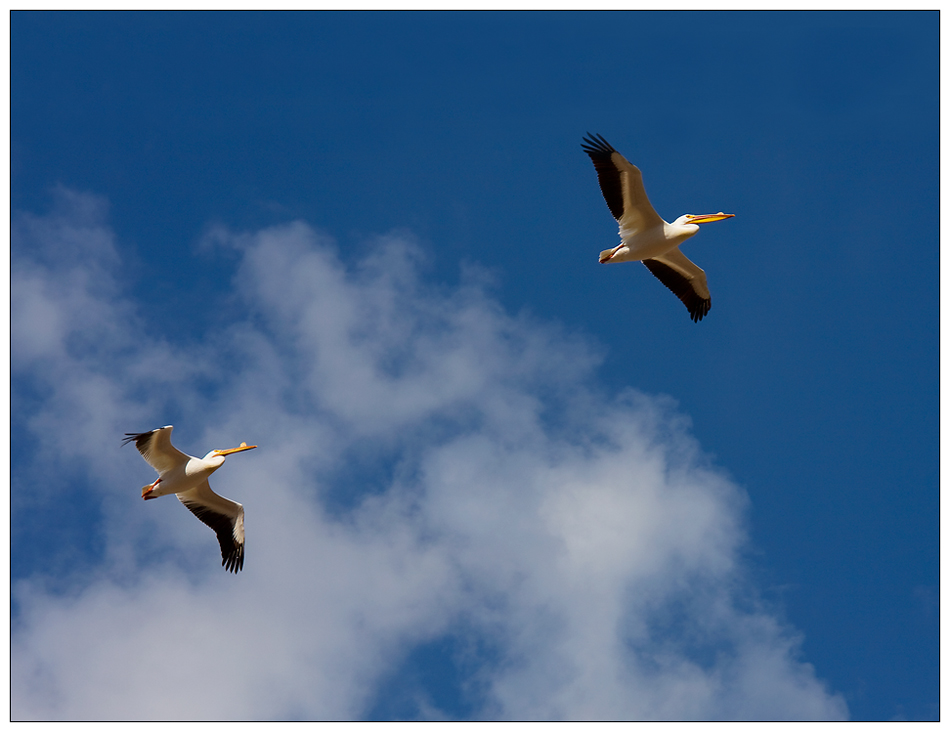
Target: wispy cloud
(430, 467)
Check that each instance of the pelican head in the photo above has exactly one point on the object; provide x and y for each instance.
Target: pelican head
(244, 446)
(215, 454)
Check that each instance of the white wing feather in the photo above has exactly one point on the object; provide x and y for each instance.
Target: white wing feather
(157, 449)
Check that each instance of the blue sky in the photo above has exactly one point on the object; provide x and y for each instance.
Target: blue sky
(495, 478)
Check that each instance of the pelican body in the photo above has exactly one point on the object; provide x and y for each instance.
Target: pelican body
(187, 477)
(644, 236)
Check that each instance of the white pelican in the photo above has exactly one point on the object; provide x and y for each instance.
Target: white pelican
(644, 236)
(187, 477)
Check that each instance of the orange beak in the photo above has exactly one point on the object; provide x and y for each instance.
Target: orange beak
(244, 446)
(708, 218)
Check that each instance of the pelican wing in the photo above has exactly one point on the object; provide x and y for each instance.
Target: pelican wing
(157, 449)
(622, 185)
(224, 516)
(685, 279)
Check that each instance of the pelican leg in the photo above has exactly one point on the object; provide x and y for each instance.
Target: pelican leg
(147, 490)
(608, 253)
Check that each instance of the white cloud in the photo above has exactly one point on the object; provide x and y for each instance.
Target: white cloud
(429, 466)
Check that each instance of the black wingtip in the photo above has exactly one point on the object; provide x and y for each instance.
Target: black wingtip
(700, 310)
(135, 437)
(234, 562)
(596, 145)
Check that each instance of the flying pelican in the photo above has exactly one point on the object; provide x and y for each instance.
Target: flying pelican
(187, 477)
(644, 236)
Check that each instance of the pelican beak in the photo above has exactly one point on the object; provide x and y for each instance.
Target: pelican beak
(244, 446)
(707, 218)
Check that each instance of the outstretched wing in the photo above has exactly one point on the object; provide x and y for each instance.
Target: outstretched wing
(157, 449)
(224, 516)
(622, 185)
(685, 280)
